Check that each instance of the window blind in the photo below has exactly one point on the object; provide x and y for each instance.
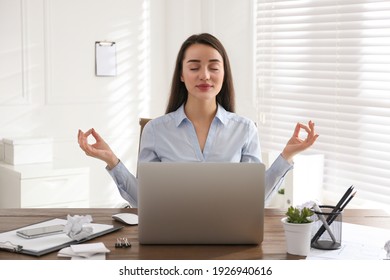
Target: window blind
(329, 61)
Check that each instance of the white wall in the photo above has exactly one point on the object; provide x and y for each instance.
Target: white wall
(47, 81)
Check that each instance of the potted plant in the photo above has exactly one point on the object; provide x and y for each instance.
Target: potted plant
(297, 227)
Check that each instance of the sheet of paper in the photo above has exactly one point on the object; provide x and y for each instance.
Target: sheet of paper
(89, 249)
(358, 243)
(68, 253)
(105, 58)
(92, 251)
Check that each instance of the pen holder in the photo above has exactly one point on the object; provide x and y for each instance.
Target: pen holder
(327, 229)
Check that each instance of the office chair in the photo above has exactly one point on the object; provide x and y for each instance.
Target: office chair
(142, 123)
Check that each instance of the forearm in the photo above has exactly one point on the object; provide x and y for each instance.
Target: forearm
(126, 182)
(275, 175)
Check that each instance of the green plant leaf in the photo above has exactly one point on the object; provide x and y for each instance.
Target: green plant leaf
(298, 216)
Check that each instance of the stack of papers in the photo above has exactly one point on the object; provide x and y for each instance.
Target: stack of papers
(92, 251)
(357, 243)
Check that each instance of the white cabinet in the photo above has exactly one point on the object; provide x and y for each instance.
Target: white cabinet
(43, 186)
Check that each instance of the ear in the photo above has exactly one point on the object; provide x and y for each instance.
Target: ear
(181, 78)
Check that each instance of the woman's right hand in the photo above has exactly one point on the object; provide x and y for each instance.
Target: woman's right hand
(100, 149)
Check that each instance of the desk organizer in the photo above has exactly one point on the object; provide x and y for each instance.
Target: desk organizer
(327, 236)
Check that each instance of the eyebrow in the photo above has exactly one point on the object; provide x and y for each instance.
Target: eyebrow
(198, 60)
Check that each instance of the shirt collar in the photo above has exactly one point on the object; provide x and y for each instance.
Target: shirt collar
(180, 116)
(222, 114)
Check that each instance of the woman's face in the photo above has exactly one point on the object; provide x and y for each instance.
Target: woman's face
(203, 72)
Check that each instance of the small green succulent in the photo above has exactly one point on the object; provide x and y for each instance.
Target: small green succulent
(299, 215)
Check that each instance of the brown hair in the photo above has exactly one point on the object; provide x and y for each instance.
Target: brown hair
(179, 94)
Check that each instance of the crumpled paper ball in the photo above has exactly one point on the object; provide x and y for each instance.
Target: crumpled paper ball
(310, 205)
(75, 227)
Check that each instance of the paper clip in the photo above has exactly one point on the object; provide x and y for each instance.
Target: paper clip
(105, 43)
(122, 243)
(9, 246)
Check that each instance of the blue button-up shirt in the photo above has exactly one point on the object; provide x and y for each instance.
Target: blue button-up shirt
(172, 138)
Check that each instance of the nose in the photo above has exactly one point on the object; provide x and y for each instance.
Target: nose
(204, 74)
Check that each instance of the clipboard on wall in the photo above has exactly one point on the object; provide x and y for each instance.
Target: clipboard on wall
(10, 241)
(105, 58)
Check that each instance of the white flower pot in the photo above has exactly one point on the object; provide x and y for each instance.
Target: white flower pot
(298, 237)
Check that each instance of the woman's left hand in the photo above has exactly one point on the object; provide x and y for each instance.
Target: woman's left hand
(296, 145)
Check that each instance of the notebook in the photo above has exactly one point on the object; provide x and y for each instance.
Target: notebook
(201, 203)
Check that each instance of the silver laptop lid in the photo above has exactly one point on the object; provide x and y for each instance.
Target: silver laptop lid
(201, 203)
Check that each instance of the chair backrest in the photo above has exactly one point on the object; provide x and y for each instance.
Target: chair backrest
(142, 123)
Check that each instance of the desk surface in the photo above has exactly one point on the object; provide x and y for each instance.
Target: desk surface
(272, 248)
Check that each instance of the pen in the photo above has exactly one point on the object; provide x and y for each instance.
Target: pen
(324, 222)
(343, 198)
(343, 206)
(346, 203)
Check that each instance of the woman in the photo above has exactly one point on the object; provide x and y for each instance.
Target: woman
(200, 123)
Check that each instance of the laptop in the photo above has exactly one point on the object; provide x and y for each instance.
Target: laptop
(201, 203)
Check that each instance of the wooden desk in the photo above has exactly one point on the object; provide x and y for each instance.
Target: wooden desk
(272, 248)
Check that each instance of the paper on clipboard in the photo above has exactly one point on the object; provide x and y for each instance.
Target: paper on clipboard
(105, 59)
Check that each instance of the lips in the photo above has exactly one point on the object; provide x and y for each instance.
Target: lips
(204, 87)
